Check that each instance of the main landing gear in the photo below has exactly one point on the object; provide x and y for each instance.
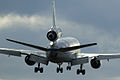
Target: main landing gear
(81, 70)
(59, 69)
(38, 69)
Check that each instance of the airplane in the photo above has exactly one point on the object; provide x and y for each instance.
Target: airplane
(61, 50)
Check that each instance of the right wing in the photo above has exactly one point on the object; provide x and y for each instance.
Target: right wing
(83, 58)
(106, 56)
(36, 56)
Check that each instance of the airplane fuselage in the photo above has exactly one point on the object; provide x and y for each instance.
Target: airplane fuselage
(59, 57)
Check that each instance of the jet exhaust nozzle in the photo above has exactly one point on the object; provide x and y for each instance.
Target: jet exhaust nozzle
(53, 35)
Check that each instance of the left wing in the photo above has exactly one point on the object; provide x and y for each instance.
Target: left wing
(36, 56)
(20, 52)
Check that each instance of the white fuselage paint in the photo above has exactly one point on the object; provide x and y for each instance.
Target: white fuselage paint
(59, 57)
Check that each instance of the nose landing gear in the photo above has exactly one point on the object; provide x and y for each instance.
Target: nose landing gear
(68, 67)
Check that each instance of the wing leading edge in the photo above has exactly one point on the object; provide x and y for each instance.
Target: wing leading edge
(101, 56)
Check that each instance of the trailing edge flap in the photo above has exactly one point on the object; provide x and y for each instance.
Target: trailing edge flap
(39, 59)
(78, 61)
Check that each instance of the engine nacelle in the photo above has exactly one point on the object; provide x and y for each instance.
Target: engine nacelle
(28, 62)
(53, 35)
(95, 63)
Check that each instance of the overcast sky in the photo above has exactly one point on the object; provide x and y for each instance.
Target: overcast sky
(87, 20)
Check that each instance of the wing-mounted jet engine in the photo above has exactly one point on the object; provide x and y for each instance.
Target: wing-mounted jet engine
(95, 63)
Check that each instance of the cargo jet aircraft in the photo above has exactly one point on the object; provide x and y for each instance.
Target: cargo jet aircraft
(61, 50)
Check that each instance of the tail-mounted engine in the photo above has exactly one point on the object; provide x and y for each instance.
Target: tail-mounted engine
(53, 35)
(28, 61)
(95, 63)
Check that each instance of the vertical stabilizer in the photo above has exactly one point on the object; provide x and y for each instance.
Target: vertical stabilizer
(54, 14)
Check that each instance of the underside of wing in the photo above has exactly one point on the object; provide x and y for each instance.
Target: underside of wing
(96, 58)
(12, 52)
(78, 61)
(31, 56)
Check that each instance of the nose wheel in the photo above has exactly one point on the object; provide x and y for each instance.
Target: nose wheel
(68, 67)
(82, 71)
(38, 69)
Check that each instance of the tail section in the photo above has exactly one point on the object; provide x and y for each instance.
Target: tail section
(54, 14)
(55, 32)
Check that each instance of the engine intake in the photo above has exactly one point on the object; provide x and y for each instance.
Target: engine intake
(29, 62)
(95, 63)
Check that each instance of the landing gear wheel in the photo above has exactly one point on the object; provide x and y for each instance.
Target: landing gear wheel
(36, 69)
(41, 70)
(68, 68)
(61, 70)
(57, 69)
(78, 71)
(83, 72)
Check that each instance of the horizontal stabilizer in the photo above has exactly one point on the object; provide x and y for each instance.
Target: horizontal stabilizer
(45, 49)
(75, 47)
(30, 45)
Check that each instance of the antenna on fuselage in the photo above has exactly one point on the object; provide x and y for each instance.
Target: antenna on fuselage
(54, 14)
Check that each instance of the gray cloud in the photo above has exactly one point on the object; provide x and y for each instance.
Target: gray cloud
(13, 20)
(84, 32)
